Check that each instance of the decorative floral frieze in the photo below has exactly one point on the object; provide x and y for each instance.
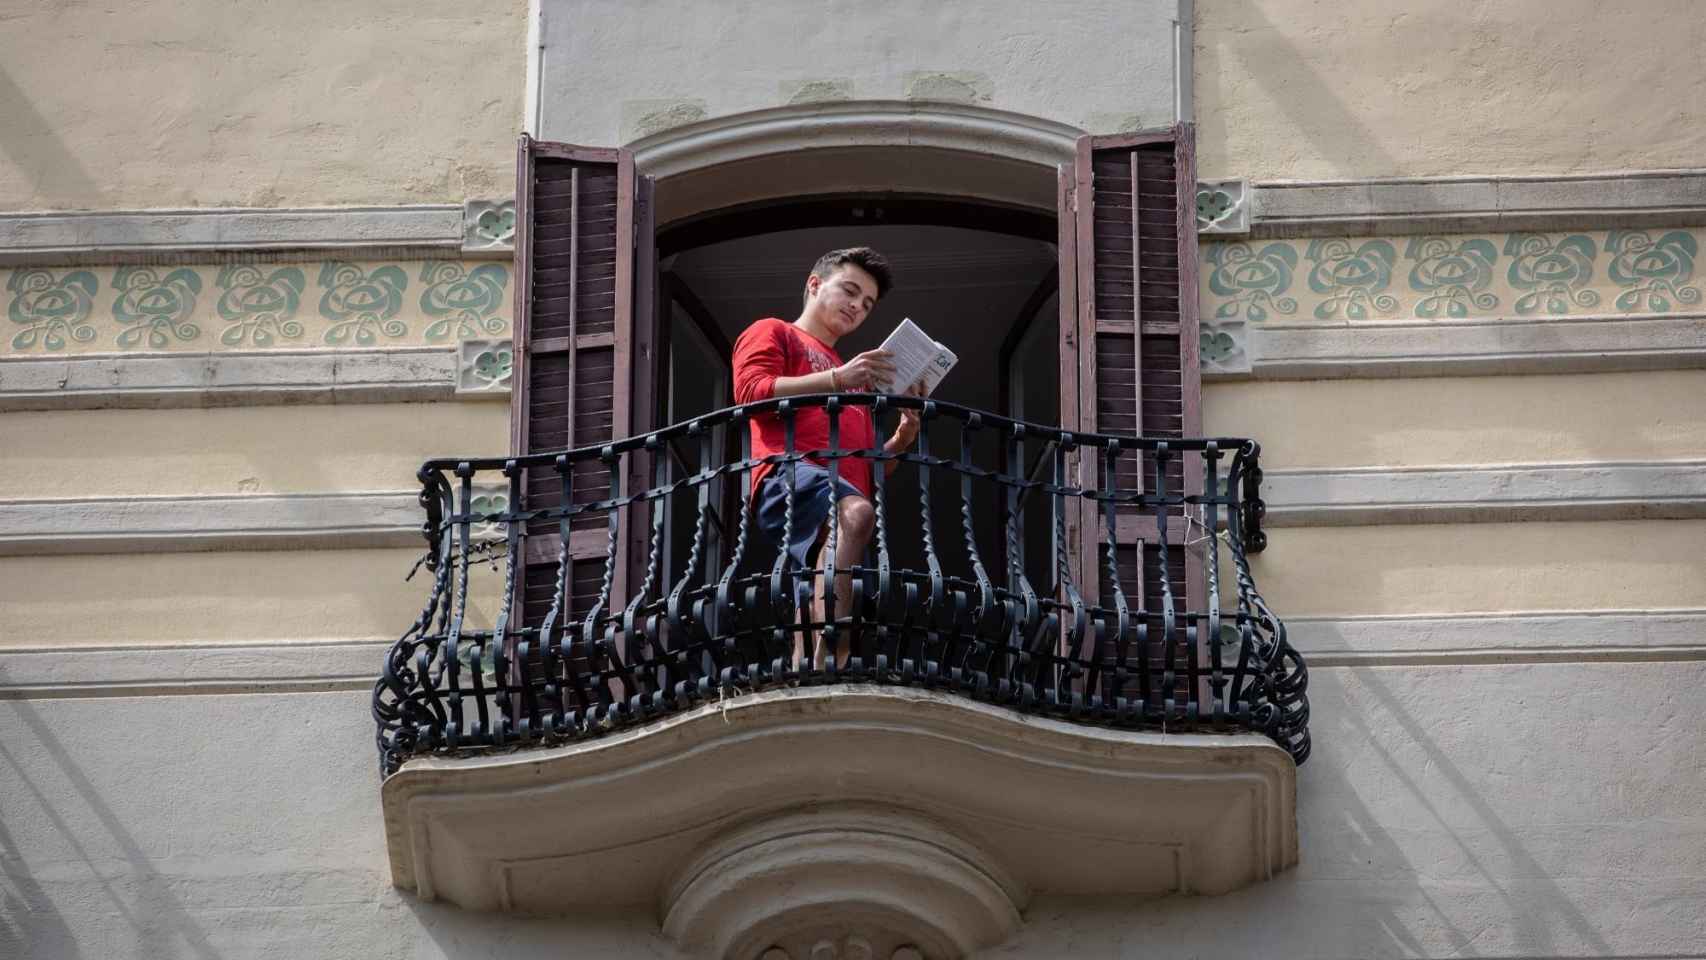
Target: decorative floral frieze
(155, 309)
(259, 305)
(1654, 274)
(463, 303)
(1352, 278)
(250, 306)
(1452, 274)
(362, 304)
(1253, 282)
(1555, 274)
(1521, 275)
(53, 309)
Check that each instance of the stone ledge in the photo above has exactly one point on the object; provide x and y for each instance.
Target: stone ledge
(477, 228)
(190, 669)
(1453, 348)
(1579, 637)
(1102, 812)
(352, 664)
(1660, 198)
(1489, 494)
(228, 379)
(242, 522)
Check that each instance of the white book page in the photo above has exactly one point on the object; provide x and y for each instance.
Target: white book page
(917, 358)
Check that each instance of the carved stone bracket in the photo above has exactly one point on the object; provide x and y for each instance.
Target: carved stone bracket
(1223, 206)
(488, 226)
(842, 823)
(484, 367)
(1223, 347)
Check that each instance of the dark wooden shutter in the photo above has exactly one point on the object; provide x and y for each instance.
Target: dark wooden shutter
(1129, 339)
(576, 215)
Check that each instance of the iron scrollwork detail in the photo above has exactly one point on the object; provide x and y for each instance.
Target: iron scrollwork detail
(713, 610)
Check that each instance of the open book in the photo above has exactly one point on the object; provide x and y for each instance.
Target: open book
(917, 358)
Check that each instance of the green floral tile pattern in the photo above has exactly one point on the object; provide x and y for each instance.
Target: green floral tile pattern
(362, 305)
(1452, 276)
(1352, 278)
(1555, 272)
(1447, 278)
(1253, 282)
(53, 308)
(155, 307)
(248, 306)
(463, 303)
(1654, 272)
(259, 305)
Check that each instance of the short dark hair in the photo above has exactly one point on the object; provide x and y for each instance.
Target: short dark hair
(864, 258)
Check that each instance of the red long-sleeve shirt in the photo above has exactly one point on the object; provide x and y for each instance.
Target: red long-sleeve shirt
(774, 348)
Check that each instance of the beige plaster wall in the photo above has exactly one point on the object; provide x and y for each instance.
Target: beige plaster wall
(1309, 89)
(1440, 421)
(216, 598)
(1099, 65)
(1483, 568)
(189, 103)
(281, 449)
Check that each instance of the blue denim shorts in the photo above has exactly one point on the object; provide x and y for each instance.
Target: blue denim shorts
(812, 502)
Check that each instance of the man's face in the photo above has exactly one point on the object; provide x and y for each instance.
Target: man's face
(844, 298)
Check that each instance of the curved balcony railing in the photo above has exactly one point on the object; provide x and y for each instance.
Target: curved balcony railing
(627, 581)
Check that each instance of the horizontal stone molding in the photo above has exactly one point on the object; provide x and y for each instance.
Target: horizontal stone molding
(1294, 498)
(476, 229)
(229, 379)
(1585, 344)
(190, 669)
(1575, 491)
(240, 522)
(863, 123)
(42, 670)
(1659, 198)
(1493, 638)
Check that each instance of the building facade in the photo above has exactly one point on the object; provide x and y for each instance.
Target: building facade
(260, 264)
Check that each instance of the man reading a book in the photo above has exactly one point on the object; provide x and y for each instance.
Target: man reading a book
(775, 358)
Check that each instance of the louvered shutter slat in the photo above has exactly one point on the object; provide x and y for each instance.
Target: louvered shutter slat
(1133, 251)
(574, 268)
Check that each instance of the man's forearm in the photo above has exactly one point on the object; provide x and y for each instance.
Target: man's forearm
(821, 382)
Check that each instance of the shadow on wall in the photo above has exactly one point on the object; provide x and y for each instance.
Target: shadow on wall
(1316, 111)
(141, 897)
(29, 142)
(1366, 886)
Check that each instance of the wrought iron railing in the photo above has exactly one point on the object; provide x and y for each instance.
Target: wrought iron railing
(609, 602)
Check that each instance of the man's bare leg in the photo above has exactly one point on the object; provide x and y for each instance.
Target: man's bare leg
(858, 521)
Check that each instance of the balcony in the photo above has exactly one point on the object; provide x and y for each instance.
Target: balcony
(1055, 675)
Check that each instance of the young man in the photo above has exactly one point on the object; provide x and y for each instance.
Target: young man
(774, 358)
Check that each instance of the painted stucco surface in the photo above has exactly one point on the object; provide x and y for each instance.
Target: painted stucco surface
(1102, 65)
(1483, 568)
(55, 311)
(1305, 91)
(269, 843)
(1437, 421)
(159, 104)
(236, 597)
(1432, 821)
(231, 450)
(1498, 810)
